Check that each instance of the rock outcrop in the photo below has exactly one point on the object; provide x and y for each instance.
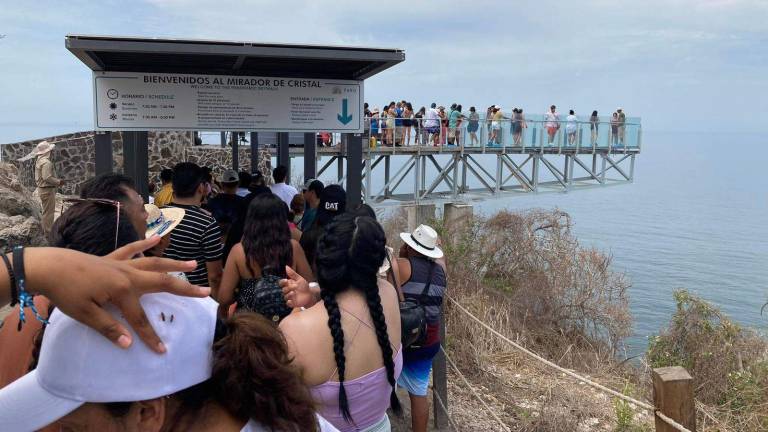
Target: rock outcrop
(19, 212)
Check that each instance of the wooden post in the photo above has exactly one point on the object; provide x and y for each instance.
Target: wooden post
(673, 396)
(440, 381)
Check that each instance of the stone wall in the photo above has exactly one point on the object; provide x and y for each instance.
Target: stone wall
(74, 156)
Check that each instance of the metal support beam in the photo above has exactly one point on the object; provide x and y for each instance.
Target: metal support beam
(254, 151)
(354, 169)
(499, 172)
(399, 175)
(386, 175)
(136, 160)
(632, 168)
(103, 150)
(416, 177)
(223, 140)
(464, 163)
(535, 171)
(235, 151)
(283, 156)
(602, 173)
(310, 156)
(455, 187)
(340, 160)
(326, 165)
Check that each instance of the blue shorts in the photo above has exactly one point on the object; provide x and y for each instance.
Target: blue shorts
(415, 376)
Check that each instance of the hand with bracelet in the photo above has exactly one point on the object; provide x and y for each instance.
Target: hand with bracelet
(297, 291)
(81, 285)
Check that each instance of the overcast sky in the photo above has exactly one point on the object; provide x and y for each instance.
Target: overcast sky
(682, 65)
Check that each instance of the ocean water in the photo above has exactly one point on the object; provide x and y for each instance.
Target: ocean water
(696, 217)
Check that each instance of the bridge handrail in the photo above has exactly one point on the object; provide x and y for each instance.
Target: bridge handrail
(570, 373)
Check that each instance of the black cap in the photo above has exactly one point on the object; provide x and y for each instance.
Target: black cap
(333, 202)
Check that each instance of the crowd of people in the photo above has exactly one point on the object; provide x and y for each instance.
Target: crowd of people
(399, 125)
(298, 326)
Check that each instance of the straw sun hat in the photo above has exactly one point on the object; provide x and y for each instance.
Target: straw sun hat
(44, 147)
(424, 241)
(161, 222)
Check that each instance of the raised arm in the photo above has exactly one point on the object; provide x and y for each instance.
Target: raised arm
(81, 285)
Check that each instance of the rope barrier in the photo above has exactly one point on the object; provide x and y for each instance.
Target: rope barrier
(474, 392)
(572, 374)
(445, 410)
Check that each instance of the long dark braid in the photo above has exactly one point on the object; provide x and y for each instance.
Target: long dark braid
(334, 323)
(349, 254)
(364, 277)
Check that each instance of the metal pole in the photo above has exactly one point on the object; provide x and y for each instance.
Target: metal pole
(254, 152)
(310, 156)
(535, 172)
(499, 170)
(283, 155)
(354, 169)
(103, 149)
(368, 174)
(136, 160)
(235, 151)
(423, 172)
(632, 168)
(416, 177)
(386, 175)
(455, 186)
(602, 174)
(223, 140)
(464, 173)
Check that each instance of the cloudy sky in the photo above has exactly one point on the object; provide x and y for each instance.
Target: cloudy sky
(681, 65)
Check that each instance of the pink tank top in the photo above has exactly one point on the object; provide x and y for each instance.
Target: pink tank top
(368, 398)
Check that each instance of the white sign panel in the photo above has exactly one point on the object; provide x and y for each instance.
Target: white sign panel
(149, 101)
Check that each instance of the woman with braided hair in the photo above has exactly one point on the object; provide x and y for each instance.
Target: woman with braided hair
(348, 344)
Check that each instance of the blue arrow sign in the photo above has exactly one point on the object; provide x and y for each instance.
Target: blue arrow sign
(344, 117)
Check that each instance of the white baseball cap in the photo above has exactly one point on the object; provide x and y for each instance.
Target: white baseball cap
(424, 241)
(79, 365)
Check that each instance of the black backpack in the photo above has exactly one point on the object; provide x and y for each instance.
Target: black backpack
(413, 316)
(264, 297)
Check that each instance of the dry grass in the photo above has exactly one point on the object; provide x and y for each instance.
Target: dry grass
(525, 275)
(728, 364)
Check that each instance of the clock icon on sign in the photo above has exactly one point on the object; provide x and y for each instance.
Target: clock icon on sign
(112, 94)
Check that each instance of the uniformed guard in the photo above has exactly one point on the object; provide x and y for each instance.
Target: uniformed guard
(46, 182)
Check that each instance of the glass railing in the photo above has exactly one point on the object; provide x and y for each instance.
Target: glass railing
(509, 134)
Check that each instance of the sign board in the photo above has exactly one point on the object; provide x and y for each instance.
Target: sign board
(151, 101)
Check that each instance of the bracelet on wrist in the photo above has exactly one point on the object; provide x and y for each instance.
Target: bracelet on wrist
(26, 300)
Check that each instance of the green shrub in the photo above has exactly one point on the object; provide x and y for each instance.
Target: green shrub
(726, 361)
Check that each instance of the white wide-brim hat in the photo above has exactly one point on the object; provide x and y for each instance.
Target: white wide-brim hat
(424, 241)
(162, 221)
(78, 365)
(44, 147)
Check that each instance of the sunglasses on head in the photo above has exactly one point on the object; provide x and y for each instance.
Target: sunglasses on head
(101, 201)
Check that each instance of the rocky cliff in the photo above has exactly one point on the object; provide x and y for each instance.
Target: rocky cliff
(19, 212)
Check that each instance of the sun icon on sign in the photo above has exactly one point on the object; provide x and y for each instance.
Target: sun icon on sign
(113, 106)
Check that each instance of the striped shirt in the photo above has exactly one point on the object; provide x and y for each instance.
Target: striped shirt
(197, 237)
(432, 302)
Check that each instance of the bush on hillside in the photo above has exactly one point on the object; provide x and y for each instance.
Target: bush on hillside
(728, 363)
(526, 274)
